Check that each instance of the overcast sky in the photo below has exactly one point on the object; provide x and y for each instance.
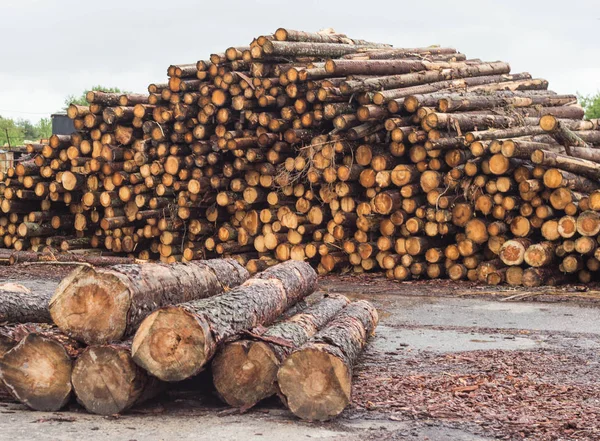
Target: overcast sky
(53, 48)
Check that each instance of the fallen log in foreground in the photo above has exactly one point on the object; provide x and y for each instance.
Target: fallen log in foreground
(245, 371)
(37, 371)
(101, 305)
(106, 381)
(316, 380)
(174, 343)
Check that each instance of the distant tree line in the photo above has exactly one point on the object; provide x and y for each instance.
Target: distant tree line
(17, 132)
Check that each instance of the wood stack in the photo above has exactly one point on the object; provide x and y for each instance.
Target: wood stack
(313, 146)
(186, 312)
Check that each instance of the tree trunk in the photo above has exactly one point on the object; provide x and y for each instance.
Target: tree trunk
(175, 343)
(556, 178)
(283, 34)
(574, 165)
(106, 381)
(307, 49)
(245, 371)
(103, 305)
(20, 305)
(316, 380)
(37, 371)
(492, 71)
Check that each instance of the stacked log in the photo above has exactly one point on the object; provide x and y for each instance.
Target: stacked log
(43, 367)
(345, 153)
(245, 371)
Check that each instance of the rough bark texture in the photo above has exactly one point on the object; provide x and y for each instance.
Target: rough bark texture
(106, 304)
(245, 371)
(19, 305)
(568, 163)
(315, 380)
(37, 371)
(175, 343)
(106, 381)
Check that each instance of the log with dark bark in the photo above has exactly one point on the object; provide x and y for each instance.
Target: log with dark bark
(106, 304)
(18, 304)
(106, 381)
(316, 380)
(175, 343)
(245, 371)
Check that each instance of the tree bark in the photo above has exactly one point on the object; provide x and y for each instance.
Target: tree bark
(283, 34)
(175, 343)
(245, 371)
(308, 49)
(316, 380)
(574, 165)
(98, 306)
(20, 305)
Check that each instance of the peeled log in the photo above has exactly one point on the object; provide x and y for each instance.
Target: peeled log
(19, 305)
(316, 380)
(37, 371)
(245, 371)
(106, 381)
(101, 305)
(176, 342)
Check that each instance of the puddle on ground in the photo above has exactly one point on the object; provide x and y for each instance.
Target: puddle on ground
(402, 340)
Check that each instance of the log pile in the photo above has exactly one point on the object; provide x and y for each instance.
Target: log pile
(348, 154)
(182, 315)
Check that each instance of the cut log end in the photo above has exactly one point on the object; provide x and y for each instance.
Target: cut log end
(91, 306)
(38, 373)
(106, 381)
(245, 372)
(316, 385)
(171, 344)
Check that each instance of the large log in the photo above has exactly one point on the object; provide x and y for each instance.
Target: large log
(245, 371)
(372, 84)
(101, 305)
(20, 305)
(37, 371)
(176, 342)
(106, 381)
(316, 380)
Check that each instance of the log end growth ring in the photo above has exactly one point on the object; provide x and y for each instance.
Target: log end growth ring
(315, 384)
(172, 344)
(91, 306)
(106, 380)
(246, 373)
(38, 373)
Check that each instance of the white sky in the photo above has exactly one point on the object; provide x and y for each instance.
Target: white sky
(53, 48)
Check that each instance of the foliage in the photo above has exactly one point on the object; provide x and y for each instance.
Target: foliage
(23, 130)
(80, 100)
(591, 104)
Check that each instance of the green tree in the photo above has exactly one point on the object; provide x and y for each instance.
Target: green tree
(591, 104)
(44, 128)
(30, 131)
(10, 133)
(80, 99)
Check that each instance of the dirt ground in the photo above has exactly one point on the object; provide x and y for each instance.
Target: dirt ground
(449, 362)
